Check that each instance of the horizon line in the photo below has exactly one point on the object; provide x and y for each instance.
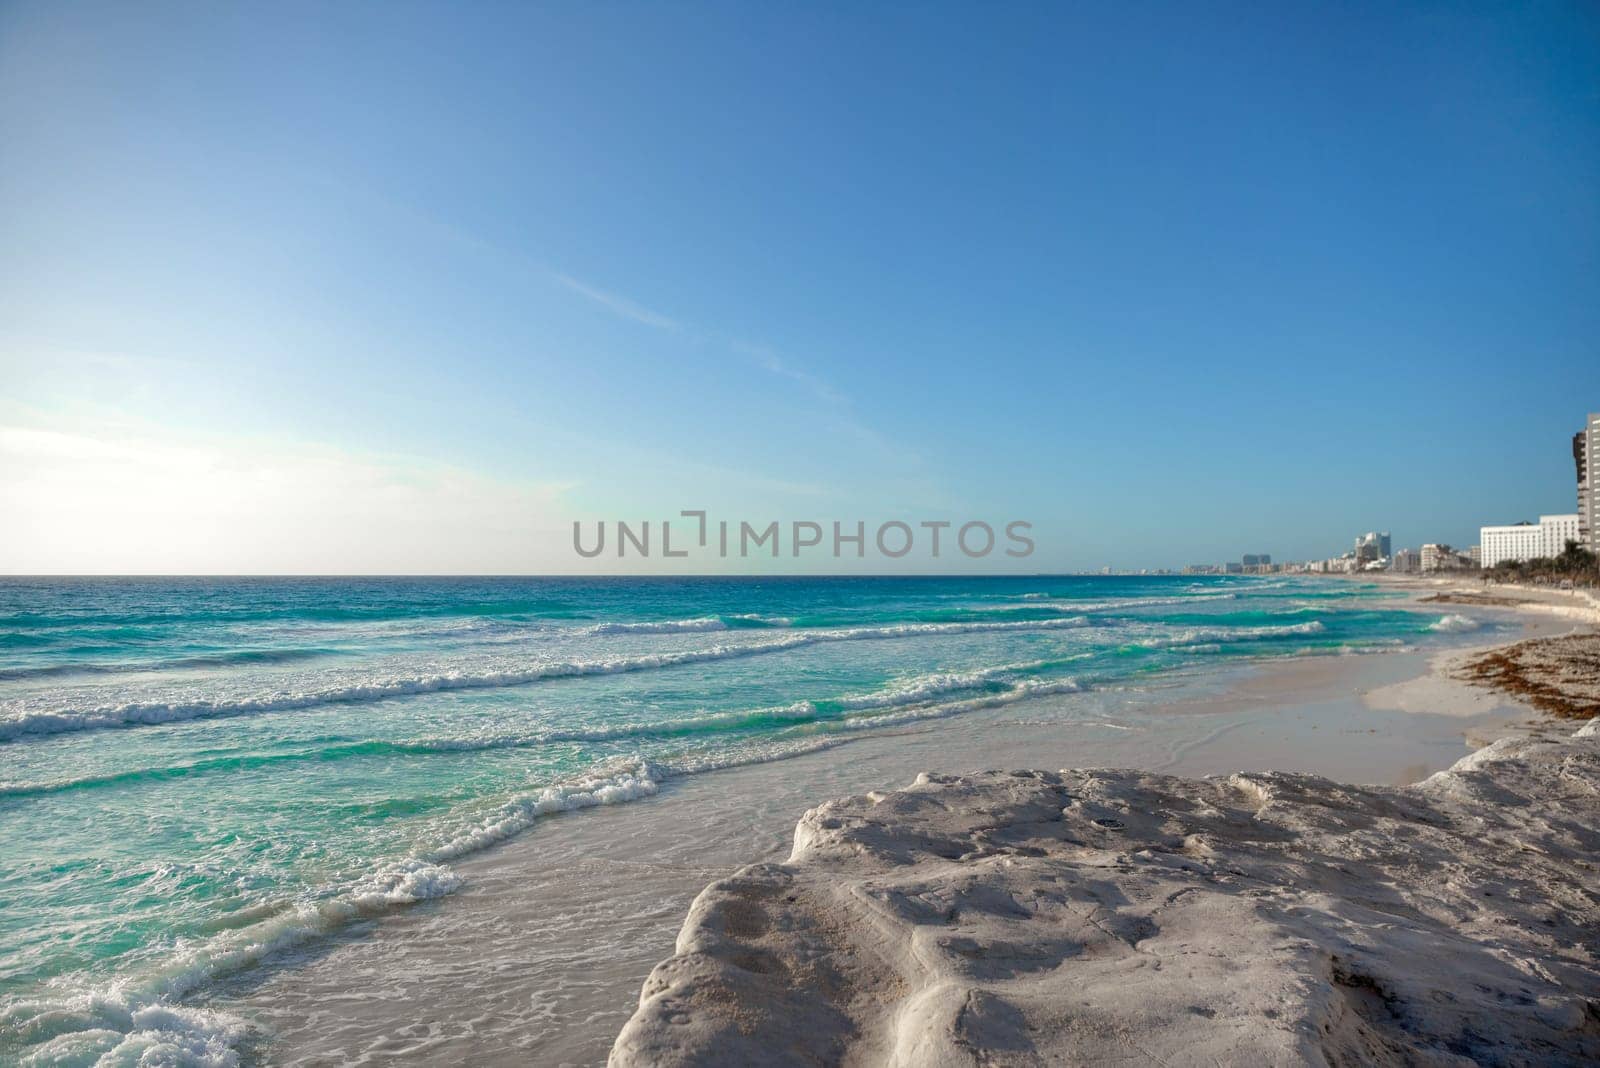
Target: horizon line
(1149, 573)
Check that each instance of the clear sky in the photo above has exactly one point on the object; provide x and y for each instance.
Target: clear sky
(399, 287)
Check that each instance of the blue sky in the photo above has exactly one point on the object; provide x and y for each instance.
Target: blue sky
(412, 287)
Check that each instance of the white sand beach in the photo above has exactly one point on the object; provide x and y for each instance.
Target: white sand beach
(1121, 917)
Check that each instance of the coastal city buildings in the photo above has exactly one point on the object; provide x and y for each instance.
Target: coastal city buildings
(1527, 541)
(1439, 557)
(1586, 458)
(1248, 564)
(1520, 542)
(1372, 546)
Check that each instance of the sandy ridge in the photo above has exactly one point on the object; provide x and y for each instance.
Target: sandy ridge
(1123, 917)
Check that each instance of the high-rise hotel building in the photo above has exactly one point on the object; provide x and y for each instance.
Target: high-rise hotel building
(1586, 456)
(1526, 541)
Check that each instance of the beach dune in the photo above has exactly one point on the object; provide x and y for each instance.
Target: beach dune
(1123, 917)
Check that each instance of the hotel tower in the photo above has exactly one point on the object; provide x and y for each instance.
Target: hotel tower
(1586, 456)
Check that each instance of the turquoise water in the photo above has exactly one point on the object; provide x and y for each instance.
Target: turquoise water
(195, 774)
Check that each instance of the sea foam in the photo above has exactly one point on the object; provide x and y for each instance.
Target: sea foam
(110, 1029)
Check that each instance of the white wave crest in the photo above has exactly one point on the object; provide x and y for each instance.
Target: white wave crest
(1454, 624)
(927, 687)
(1068, 604)
(665, 626)
(1194, 636)
(405, 883)
(908, 630)
(640, 780)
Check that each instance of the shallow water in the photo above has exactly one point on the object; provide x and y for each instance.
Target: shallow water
(197, 776)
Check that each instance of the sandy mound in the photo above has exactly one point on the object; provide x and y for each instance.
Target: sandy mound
(1117, 917)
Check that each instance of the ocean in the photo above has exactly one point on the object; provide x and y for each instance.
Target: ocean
(199, 775)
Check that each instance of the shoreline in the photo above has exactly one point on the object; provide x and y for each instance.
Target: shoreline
(1471, 680)
(1579, 605)
(542, 952)
(1016, 917)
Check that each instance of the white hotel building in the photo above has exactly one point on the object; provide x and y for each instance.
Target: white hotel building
(1526, 541)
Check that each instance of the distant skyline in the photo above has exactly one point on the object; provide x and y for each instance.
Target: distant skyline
(410, 288)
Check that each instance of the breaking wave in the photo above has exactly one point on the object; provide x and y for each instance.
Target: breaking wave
(669, 626)
(149, 713)
(912, 691)
(135, 1022)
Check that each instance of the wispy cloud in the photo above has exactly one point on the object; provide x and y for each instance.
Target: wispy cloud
(777, 365)
(839, 404)
(620, 305)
